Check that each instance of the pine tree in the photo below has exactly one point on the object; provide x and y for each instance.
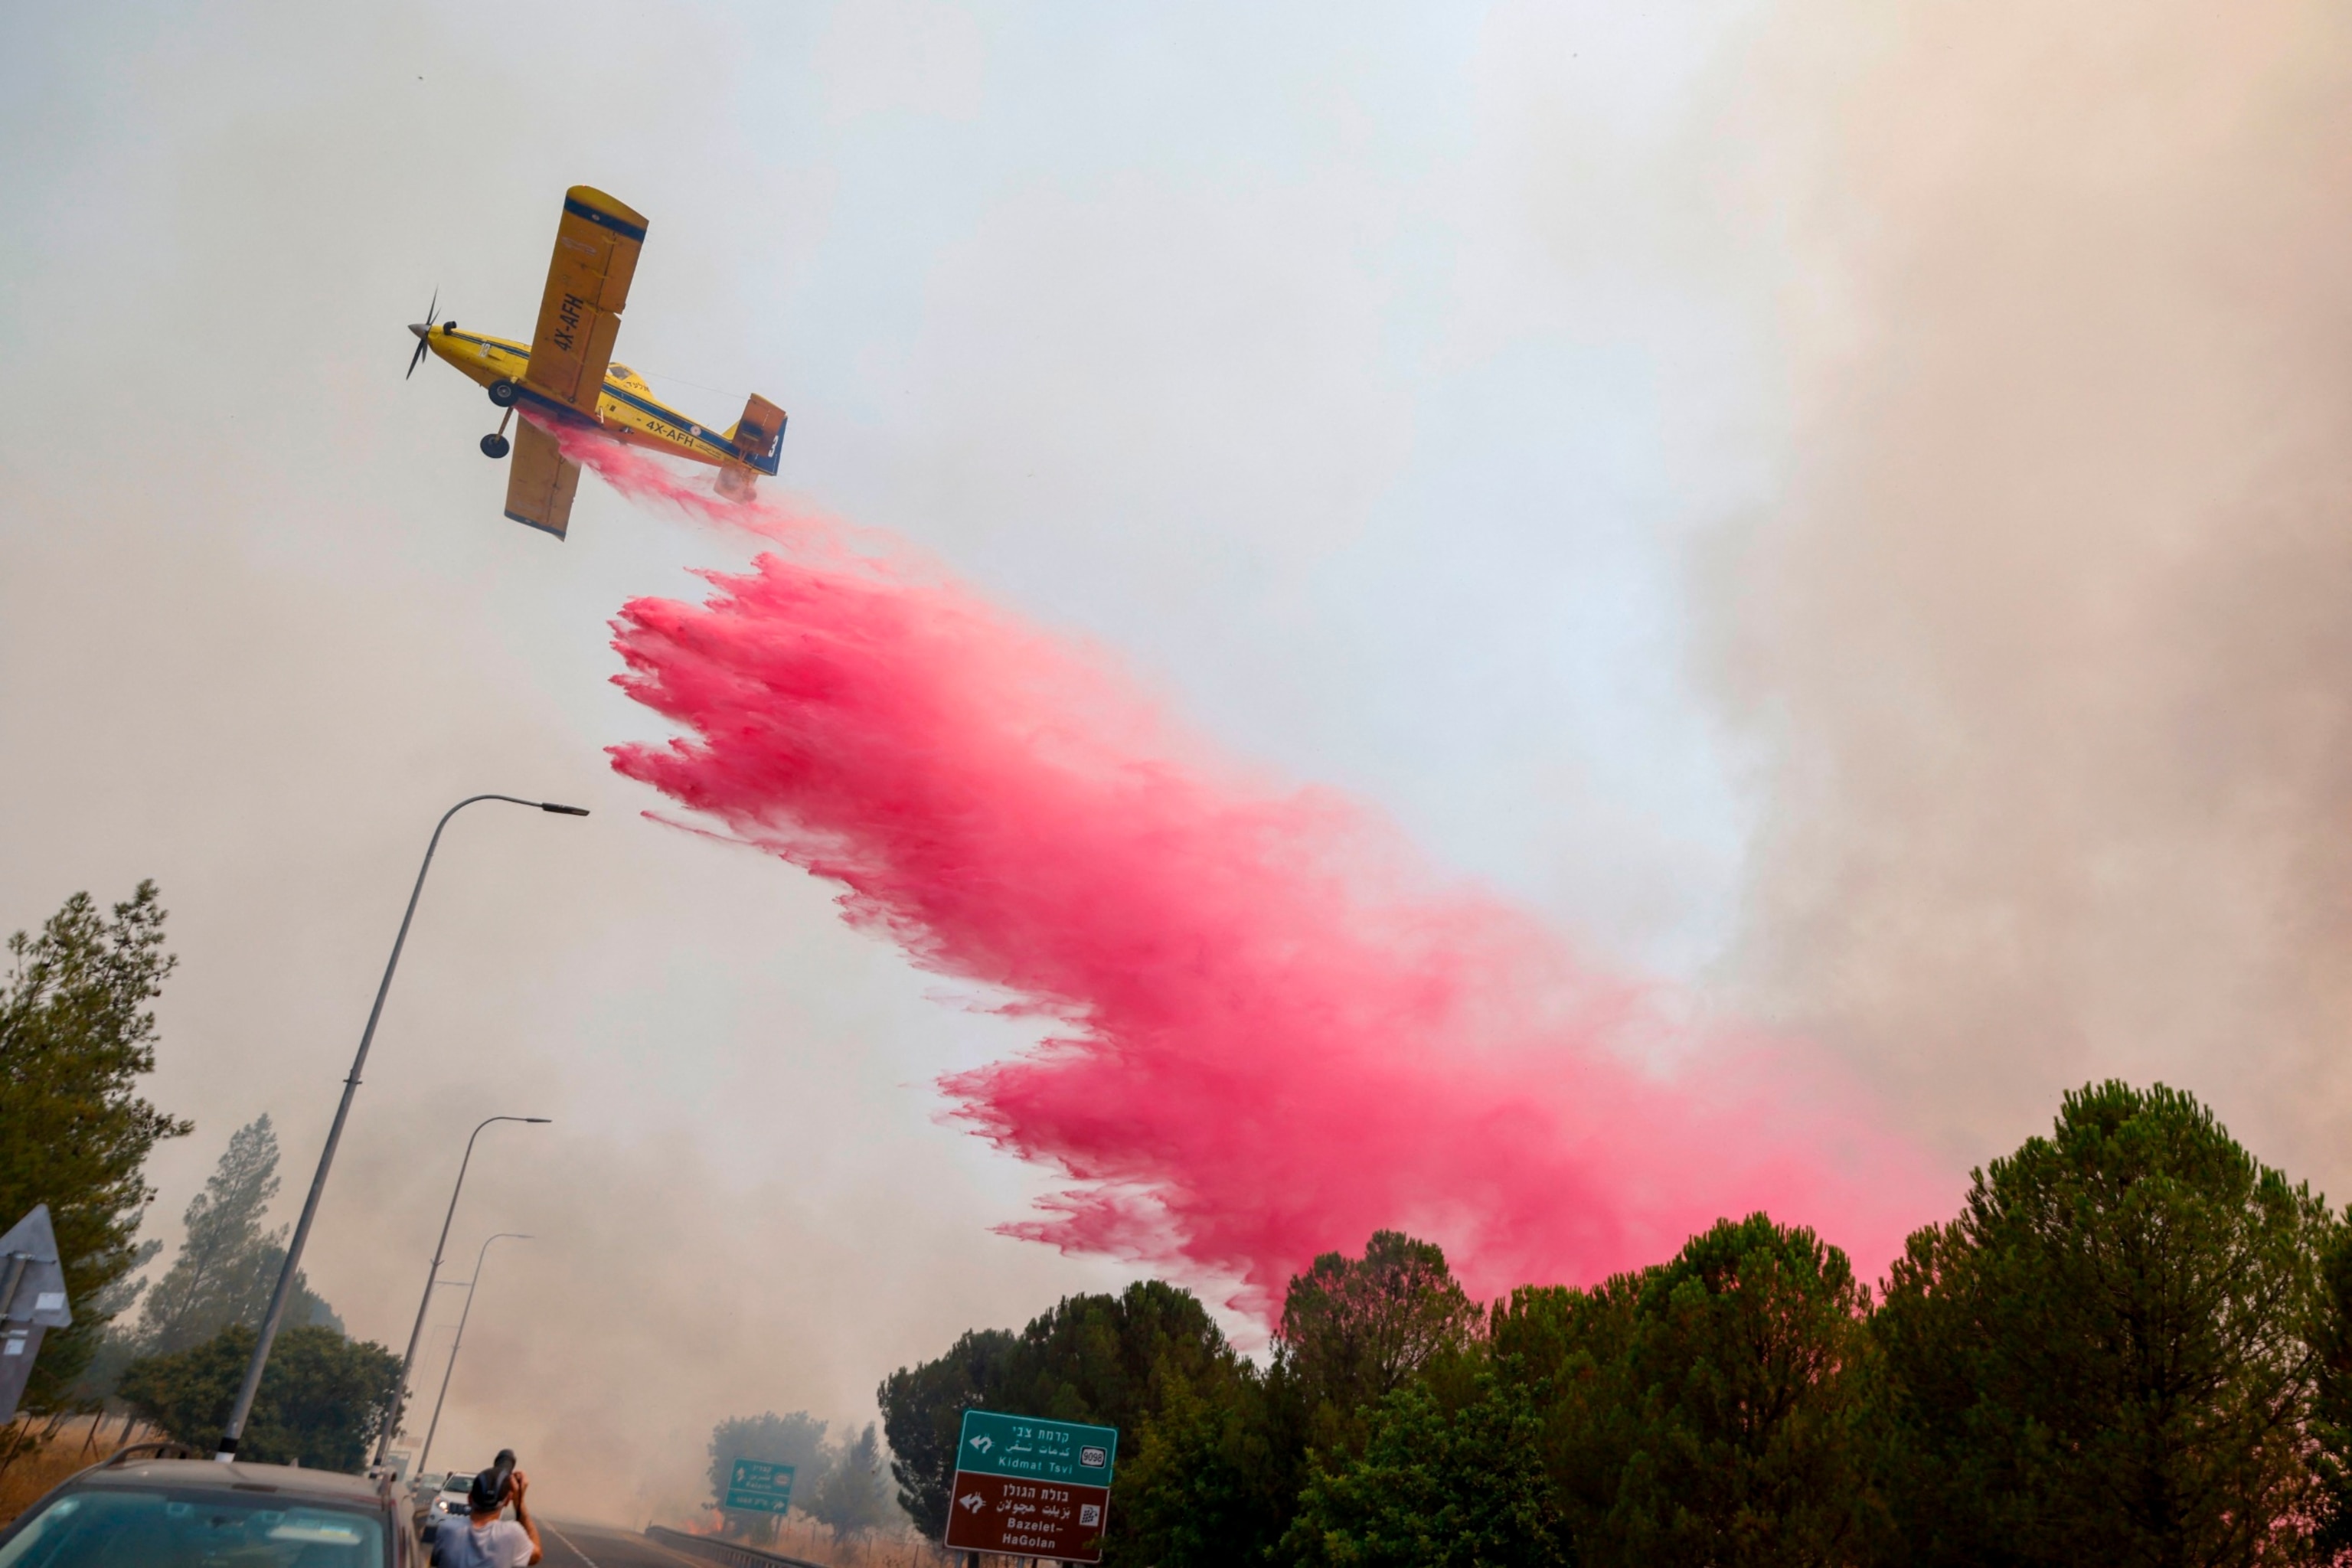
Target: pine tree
(1355, 1330)
(2106, 1358)
(1435, 1489)
(209, 1279)
(922, 1411)
(76, 1036)
(1707, 1412)
(1101, 1358)
(228, 1265)
(852, 1495)
(796, 1439)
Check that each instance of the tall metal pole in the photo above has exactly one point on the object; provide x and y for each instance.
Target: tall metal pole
(235, 1431)
(408, 1362)
(454, 1345)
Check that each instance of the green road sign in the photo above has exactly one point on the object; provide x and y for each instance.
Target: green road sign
(1031, 1487)
(1031, 1449)
(757, 1486)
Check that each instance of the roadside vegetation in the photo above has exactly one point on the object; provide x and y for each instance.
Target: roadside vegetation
(840, 1484)
(2132, 1346)
(77, 1032)
(55, 1448)
(324, 1397)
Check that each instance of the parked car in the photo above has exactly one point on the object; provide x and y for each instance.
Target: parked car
(158, 1503)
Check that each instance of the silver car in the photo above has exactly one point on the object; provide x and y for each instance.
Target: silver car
(157, 1503)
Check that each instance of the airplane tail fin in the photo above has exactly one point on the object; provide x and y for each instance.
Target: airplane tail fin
(759, 436)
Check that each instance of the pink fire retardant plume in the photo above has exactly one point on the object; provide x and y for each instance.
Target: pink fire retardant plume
(1276, 1033)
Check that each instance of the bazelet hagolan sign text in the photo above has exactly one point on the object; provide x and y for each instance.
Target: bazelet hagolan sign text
(1028, 1488)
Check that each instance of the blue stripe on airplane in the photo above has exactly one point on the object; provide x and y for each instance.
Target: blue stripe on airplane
(533, 523)
(561, 410)
(566, 412)
(647, 405)
(620, 394)
(605, 220)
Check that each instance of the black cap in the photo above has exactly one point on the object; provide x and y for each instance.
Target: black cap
(490, 1488)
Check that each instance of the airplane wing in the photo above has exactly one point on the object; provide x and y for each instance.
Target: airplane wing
(541, 481)
(597, 244)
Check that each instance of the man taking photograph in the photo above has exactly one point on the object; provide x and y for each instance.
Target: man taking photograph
(485, 1540)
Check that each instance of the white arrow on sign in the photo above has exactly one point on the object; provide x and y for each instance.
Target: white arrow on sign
(971, 1500)
(984, 1442)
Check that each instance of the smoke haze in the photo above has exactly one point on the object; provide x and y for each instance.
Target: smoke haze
(2048, 643)
(1369, 376)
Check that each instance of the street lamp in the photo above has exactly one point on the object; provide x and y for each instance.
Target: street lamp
(480, 1258)
(408, 1362)
(235, 1431)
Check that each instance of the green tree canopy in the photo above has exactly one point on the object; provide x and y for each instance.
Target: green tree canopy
(2330, 1423)
(1107, 1360)
(1434, 1488)
(2133, 1347)
(1213, 1473)
(76, 1036)
(1117, 1361)
(853, 1496)
(322, 1401)
(1212, 1478)
(922, 1416)
(1705, 1411)
(2103, 1359)
(1355, 1330)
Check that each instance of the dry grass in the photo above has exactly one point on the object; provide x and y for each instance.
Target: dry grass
(805, 1538)
(800, 1536)
(76, 1443)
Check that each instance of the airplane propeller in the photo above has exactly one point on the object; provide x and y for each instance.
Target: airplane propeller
(424, 333)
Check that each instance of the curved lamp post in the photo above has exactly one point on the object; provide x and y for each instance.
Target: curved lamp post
(235, 1431)
(455, 1344)
(408, 1362)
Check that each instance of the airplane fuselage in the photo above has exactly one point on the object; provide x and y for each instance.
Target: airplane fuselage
(628, 408)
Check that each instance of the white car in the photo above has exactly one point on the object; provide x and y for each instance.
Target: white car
(449, 1500)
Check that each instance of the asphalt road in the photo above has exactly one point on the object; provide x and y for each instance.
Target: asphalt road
(601, 1546)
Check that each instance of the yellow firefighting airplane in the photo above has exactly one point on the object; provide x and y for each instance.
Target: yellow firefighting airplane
(566, 376)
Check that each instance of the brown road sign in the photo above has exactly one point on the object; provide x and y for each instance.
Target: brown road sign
(1026, 1519)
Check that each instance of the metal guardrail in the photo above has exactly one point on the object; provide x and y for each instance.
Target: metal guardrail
(725, 1551)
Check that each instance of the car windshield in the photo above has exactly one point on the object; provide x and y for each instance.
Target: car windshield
(104, 1527)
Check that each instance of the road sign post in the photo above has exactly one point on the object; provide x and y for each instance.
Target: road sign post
(754, 1486)
(32, 1301)
(1029, 1488)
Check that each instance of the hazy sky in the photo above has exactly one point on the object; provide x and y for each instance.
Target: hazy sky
(1667, 457)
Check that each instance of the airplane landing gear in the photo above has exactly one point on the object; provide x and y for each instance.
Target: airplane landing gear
(494, 444)
(502, 393)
